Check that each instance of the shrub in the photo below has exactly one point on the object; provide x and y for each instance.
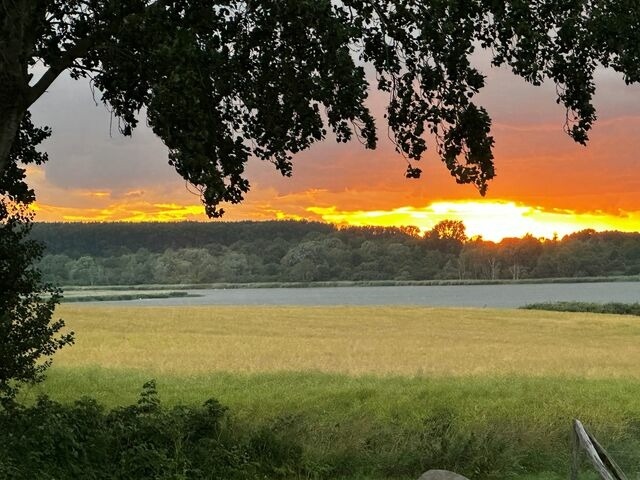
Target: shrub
(612, 307)
(49, 440)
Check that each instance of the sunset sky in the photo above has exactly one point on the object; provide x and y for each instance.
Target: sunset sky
(545, 185)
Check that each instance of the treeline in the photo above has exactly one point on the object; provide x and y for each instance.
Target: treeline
(290, 251)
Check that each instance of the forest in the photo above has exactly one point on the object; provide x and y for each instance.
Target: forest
(302, 251)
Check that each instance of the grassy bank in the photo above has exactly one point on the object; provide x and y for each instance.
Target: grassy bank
(114, 296)
(376, 393)
(612, 307)
(358, 283)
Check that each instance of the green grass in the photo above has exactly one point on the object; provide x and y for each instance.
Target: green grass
(377, 424)
(82, 296)
(612, 307)
(373, 393)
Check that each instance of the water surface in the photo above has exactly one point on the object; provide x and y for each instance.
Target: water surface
(493, 296)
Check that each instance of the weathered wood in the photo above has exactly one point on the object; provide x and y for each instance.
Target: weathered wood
(607, 459)
(599, 458)
(575, 453)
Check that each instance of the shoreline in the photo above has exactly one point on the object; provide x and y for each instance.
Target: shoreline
(349, 283)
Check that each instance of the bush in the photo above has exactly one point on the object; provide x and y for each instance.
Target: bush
(613, 307)
(49, 440)
(444, 442)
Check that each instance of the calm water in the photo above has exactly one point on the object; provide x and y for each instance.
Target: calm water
(499, 296)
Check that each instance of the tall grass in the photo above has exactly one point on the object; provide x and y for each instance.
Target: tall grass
(397, 426)
(353, 340)
(376, 393)
(74, 297)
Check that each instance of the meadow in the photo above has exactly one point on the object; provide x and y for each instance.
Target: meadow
(373, 393)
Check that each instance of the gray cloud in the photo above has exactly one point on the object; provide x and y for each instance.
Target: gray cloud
(87, 152)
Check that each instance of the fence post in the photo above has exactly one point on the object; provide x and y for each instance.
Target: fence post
(575, 453)
(602, 462)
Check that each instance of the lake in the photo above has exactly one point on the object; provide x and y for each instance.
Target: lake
(492, 296)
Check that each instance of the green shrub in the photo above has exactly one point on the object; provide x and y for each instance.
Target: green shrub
(613, 307)
(443, 441)
(49, 440)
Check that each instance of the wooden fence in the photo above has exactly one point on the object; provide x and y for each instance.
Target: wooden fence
(602, 462)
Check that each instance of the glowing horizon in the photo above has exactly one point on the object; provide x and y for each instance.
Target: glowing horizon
(492, 220)
(546, 184)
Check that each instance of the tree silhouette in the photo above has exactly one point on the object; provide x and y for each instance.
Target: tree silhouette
(447, 236)
(224, 81)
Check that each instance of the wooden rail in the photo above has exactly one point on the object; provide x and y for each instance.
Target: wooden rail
(602, 462)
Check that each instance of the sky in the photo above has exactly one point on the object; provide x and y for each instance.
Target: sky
(546, 184)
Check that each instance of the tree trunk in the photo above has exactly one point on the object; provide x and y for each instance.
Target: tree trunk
(14, 75)
(10, 119)
(493, 267)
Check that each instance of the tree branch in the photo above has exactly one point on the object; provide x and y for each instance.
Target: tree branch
(65, 61)
(69, 56)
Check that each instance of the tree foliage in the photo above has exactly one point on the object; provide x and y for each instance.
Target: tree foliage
(447, 235)
(28, 336)
(223, 81)
(127, 254)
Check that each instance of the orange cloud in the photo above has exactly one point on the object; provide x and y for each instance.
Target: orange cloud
(123, 212)
(99, 194)
(545, 184)
(493, 220)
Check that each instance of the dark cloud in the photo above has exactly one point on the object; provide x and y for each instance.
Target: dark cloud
(86, 149)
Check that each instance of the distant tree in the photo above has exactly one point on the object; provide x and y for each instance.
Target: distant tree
(520, 255)
(55, 268)
(449, 230)
(234, 267)
(447, 236)
(482, 259)
(410, 230)
(86, 271)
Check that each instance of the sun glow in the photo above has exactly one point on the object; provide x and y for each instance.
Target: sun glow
(493, 220)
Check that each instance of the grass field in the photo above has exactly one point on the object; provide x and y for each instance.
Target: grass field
(378, 392)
